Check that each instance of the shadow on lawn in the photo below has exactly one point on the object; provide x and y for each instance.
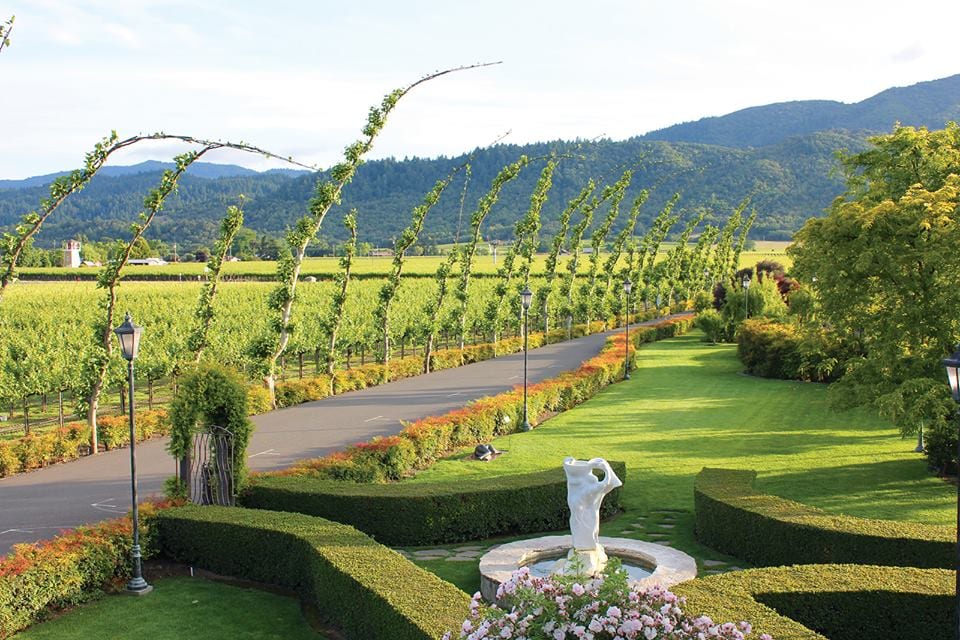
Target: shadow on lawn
(902, 488)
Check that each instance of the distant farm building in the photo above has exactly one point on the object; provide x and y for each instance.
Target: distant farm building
(71, 254)
(381, 253)
(148, 262)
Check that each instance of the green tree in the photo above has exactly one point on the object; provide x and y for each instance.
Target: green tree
(883, 264)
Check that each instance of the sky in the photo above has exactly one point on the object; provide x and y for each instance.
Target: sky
(297, 78)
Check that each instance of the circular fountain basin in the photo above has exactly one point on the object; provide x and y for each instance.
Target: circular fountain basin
(647, 563)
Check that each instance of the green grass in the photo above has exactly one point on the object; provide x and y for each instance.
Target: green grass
(688, 406)
(181, 608)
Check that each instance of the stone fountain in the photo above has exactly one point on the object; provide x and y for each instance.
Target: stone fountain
(584, 551)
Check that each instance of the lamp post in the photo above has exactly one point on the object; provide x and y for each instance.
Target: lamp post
(525, 297)
(627, 287)
(129, 336)
(746, 296)
(952, 365)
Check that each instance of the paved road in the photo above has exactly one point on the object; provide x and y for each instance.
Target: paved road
(37, 505)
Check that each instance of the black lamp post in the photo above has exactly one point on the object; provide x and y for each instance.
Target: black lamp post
(129, 335)
(526, 296)
(627, 287)
(746, 296)
(952, 365)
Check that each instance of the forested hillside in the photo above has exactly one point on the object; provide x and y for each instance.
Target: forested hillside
(713, 163)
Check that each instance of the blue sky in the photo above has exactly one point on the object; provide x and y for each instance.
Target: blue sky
(297, 77)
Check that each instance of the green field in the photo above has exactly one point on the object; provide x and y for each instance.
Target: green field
(688, 406)
(180, 608)
(326, 267)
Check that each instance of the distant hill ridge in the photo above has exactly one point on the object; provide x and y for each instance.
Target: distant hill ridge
(931, 103)
(210, 170)
(783, 154)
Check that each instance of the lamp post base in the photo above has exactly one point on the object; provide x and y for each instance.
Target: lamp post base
(140, 588)
(525, 426)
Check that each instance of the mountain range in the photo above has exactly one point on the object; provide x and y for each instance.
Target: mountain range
(783, 155)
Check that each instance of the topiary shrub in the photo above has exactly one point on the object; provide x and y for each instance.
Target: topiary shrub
(209, 396)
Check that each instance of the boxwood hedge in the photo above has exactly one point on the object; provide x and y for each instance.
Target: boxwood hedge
(362, 587)
(768, 530)
(835, 601)
(430, 513)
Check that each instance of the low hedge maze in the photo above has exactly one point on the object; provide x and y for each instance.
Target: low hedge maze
(362, 587)
(768, 530)
(835, 601)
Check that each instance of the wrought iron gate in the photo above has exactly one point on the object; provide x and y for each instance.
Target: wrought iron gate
(211, 468)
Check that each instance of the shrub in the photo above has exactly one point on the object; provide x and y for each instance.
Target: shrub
(361, 587)
(57, 445)
(940, 447)
(780, 350)
(69, 569)
(767, 530)
(578, 606)
(769, 349)
(713, 326)
(430, 513)
(258, 400)
(841, 601)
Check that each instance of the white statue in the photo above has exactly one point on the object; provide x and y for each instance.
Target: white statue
(585, 493)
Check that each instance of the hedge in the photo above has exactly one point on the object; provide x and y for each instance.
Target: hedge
(422, 442)
(66, 443)
(769, 530)
(75, 567)
(430, 513)
(835, 601)
(773, 349)
(360, 586)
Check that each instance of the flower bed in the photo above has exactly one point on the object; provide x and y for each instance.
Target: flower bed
(37, 579)
(430, 513)
(570, 607)
(422, 442)
(67, 443)
(769, 530)
(840, 601)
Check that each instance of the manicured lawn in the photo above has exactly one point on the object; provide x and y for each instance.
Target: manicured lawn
(688, 406)
(182, 608)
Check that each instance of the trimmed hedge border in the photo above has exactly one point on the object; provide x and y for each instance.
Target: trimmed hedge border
(768, 530)
(362, 587)
(431, 513)
(839, 601)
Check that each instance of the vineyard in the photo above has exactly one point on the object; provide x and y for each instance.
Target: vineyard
(274, 319)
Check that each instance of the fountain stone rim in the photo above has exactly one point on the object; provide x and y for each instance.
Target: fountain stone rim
(671, 566)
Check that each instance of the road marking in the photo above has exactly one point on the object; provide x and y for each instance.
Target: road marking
(106, 506)
(15, 531)
(455, 393)
(512, 377)
(373, 418)
(263, 453)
